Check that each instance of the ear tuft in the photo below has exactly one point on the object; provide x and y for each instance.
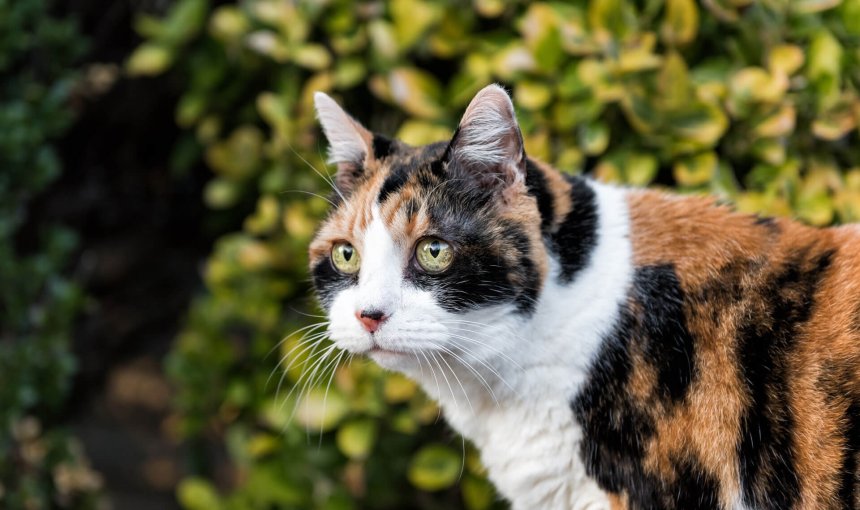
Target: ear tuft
(488, 144)
(348, 140)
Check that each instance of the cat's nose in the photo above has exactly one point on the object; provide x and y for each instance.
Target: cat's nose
(371, 319)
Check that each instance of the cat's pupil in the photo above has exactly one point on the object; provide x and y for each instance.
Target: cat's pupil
(347, 253)
(435, 248)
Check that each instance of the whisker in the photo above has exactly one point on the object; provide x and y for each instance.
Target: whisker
(309, 193)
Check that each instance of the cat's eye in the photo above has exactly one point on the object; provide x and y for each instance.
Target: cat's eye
(434, 255)
(345, 258)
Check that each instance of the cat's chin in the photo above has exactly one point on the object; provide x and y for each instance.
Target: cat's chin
(392, 360)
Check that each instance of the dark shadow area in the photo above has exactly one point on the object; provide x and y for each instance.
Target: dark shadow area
(142, 241)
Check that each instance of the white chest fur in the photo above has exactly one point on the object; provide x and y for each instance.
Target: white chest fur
(523, 425)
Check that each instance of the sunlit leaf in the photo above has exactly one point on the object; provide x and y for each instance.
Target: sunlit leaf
(149, 59)
(355, 438)
(416, 132)
(321, 409)
(680, 22)
(532, 95)
(779, 123)
(594, 138)
(785, 59)
(813, 6)
(228, 23)
(434, 467)
(696, 170)
(197, 494)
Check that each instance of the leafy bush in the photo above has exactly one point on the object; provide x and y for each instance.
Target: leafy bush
(38, 468)
(754, 101)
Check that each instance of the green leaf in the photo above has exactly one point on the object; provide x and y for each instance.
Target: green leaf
(356, 438)
(228, 24)
(785, 59)
(149, 59)
(611, 20)
(197, 494)
(680, 22)
(594, 138)
(434, 467)
(321, 409)
(813, 6)
(478, 494)
(696, 170)
(532, 95)
(312, 56)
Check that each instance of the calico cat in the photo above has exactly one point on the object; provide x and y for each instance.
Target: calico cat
(603, 347)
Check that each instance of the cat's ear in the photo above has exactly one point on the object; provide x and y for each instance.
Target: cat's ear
(349, 141)
(488, 145)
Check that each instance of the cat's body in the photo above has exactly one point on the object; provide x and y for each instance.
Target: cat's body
(602, 347)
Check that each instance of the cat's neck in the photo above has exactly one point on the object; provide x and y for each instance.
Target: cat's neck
(515, 404)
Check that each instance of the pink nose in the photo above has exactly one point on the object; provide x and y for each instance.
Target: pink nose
(371, 319)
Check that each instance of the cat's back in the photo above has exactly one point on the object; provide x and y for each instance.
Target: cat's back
(736, 367)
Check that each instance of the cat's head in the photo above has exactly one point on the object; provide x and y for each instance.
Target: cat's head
(428, 248)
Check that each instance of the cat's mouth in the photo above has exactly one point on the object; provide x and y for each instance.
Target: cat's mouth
(377, 349)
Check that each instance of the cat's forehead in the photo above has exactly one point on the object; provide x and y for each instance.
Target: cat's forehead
(397, 181)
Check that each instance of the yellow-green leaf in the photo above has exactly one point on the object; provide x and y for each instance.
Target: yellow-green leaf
(532, 95)
(640, 169)
(312, 56)
(416, 132)
(321, 409)
(149, 59)
(228, 23)
(696, 170)
(812, 6)
(356, 438)
(414, 90)
(399, 388)
(594, 138)
(434, 468)
(680, 23)
(197, 494)
(489, 8)
(610, 20)
(779, 123)
(478, 494)
(221, 193)
(785, 59)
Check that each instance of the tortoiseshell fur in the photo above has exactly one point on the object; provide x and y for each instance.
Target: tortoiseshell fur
(731, 377)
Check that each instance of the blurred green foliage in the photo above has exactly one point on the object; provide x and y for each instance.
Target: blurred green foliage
(753, 101)
(40, 465)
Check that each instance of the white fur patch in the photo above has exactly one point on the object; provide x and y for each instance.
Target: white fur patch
(530, 442)
(346, 144)
(504, 382)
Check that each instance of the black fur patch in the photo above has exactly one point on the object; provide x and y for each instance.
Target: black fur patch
(394, 182)
(329, 281)
(481, 274)
(577, 235)
(767, 466)
(382, 146)
(537, 186)
(670, 346)
(616, 426)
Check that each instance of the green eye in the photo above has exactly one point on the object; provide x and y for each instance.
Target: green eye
(434, 255)
(345, 258)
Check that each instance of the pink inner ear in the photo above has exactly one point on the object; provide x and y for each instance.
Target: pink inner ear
(349, 141)
(489, 144)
